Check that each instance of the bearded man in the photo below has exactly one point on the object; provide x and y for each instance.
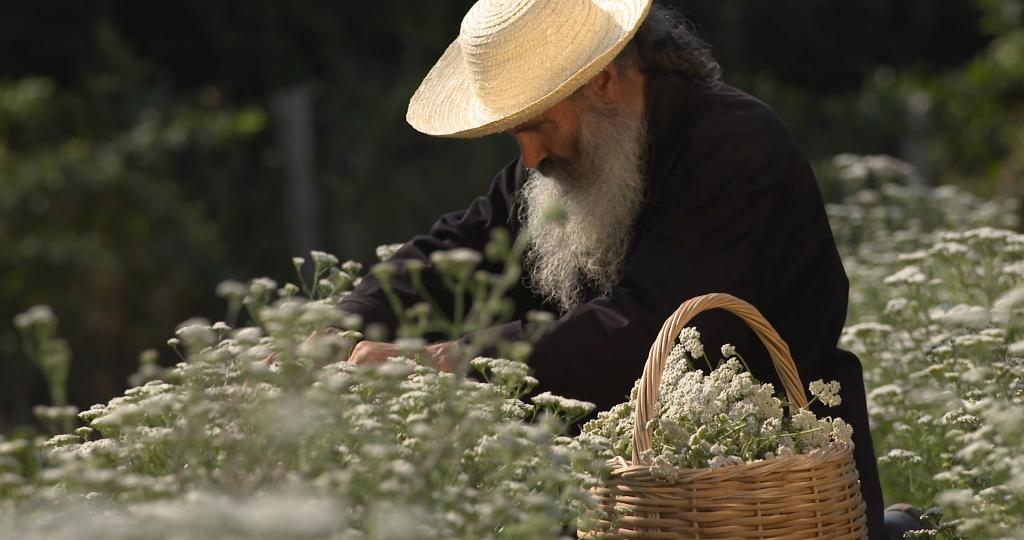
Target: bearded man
(672, 185)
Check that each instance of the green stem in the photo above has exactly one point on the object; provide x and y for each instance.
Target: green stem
(393, 300)
(417, 283)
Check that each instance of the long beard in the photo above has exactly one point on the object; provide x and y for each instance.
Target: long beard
(599, 196)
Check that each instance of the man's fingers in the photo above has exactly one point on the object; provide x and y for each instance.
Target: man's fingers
(370, 352)
(440, 355)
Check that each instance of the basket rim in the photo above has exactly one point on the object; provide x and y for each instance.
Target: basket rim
(815, 458)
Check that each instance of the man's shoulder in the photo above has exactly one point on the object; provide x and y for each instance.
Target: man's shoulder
(709, 139)
(715, 113)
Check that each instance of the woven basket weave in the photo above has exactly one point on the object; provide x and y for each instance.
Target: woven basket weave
(815, 495)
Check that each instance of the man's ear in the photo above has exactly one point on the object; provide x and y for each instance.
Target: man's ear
(606, 86)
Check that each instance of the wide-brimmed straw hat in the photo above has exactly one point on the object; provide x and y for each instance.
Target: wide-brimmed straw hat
(515, 58)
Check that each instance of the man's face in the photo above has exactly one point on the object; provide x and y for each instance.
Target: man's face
(550, 141)
(585, 157)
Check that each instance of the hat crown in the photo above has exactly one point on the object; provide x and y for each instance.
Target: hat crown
(505, 42)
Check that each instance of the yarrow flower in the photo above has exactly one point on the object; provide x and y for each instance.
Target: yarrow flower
(909, 275)
(722, 418)
(322, 259)
(572, 408)
(690, 339)
(827, 393)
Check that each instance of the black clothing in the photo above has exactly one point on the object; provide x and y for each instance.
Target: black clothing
(731, 205)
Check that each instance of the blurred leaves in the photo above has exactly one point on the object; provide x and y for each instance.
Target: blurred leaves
(102, 210)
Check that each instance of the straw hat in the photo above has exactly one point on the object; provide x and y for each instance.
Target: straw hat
(515, 58)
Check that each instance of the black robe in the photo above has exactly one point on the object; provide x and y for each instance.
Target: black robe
(731, 205)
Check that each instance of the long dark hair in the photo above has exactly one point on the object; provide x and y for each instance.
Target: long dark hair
(667, 42)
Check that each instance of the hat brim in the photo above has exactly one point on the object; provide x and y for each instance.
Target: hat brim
(445, 104)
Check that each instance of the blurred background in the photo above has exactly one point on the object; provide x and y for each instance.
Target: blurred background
(150, 150)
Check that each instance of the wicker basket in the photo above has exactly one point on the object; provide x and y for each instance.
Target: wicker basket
(815, 495)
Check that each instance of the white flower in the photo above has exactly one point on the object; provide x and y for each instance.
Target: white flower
(961, 315)
(827, 393)
(989, 233)
(956, 498)
(813, 433)
(728, 351)
(322, 259)
(948, 248)
(261, 286)
(1005, 305)
(197, 336)
(36, 316)
(913, 256)
(900, 456)
(841, 431)
(896, 306)
(676, 367)
(571, 407)
(1016, 268)
(249, 335)
(787, 447)
(884, 391)
(909, 275)
(664, 469)
(459, 262)
(386, 251)
(231, 289)
(868, 327)
(724, 461)
(689, 337)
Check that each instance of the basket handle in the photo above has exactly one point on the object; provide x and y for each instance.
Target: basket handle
(647, 397)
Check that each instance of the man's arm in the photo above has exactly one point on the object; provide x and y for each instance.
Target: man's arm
(469, 228)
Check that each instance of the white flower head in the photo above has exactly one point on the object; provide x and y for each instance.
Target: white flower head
(231, 289)
(36, 316)
(322, 259)
(197, 336)
(907, 276)
(961, 315)
(827, 393)
(386, 251)
(841, 431)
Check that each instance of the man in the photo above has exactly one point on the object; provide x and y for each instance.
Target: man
(673, 185)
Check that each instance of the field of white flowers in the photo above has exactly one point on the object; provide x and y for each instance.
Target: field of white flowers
(225, 445)
(937, 317)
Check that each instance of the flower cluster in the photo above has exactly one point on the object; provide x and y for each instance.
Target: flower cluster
(722, 418)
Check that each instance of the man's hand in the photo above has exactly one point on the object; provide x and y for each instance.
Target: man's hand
(373, 352)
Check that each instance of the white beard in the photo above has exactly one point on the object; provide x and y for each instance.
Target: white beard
(599, 196)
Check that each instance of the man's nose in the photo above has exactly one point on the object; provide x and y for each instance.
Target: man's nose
(533, 153)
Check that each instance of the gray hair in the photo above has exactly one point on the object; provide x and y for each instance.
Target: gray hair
(667, 42)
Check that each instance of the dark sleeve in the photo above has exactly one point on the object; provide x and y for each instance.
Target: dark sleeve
(469, 228)
(741, 214)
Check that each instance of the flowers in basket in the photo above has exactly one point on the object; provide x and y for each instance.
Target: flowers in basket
(716, 419)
